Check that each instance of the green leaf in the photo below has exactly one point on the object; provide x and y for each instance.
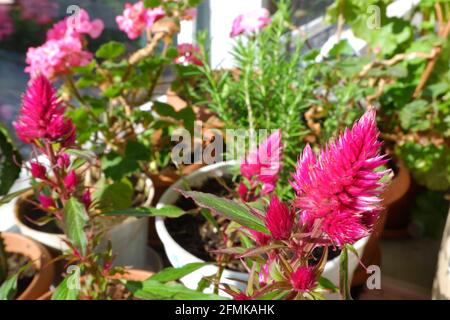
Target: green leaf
(154, 290)
(228, 208)
(115, 196)
(116, 166)
(9, 288)
(68, 289)
(110, 50)
(152, 3)
(328, 284)
(343, 47)
(172, 274)
(414, 116)
(11, 196)
(9, 161)
(76, 218)
(166, 211)
(344, 284)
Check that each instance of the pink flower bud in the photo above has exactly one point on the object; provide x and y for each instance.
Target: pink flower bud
(303, 279)
(86, 198)
(70, 181)
(38, 171)
(63, 161)
(46, 201)
(279, 219)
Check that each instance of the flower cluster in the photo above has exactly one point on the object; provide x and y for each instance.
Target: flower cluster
(250, 22)
(261, 168)
(188, 54)
(64, 48)
(136, 18)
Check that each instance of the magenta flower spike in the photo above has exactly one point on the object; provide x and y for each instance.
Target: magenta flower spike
(42, 117)
(341, 186)
(262, 165)
(38, 171)
(279, 219)
(71, 180)
(303, 279)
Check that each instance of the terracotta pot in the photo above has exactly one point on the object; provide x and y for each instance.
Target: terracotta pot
(16, 243)
(394, 195)
(131, 274)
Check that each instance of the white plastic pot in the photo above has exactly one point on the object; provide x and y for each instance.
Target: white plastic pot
(179, 257)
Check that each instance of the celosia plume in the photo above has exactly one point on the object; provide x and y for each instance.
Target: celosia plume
(341, 186)
(279, 219)
(304, 279)
(38, 171)
(42, 117)
(262, 166)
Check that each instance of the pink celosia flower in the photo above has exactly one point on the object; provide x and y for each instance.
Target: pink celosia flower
(261, 239)
(38, 171)
(263, 164)
(42, 117)
(71, 180)
(57, 57)
(340, 186)
(42, 11)
(86, 198)
(6, 23)
(303, 279)
(63, 160)
(250, 22)
(46, 201)
(133, 20)
(76, 27)
(279, 219)
(188, 54)
(264, 274)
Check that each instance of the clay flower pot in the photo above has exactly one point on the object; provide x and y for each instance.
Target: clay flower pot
(16, 243)
(131, 275)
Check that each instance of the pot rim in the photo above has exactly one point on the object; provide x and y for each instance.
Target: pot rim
(45, 269)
